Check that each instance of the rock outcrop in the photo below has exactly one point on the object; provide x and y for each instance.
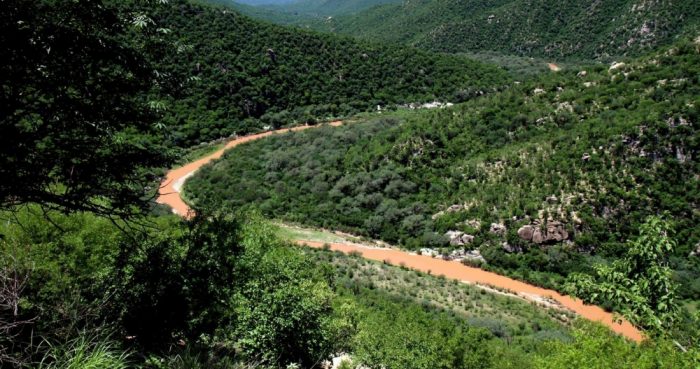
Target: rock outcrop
(616, 65)
(511, 248)
(499, 229)
(458, 238)
(526, 232)
(697, 251)
(554, 231)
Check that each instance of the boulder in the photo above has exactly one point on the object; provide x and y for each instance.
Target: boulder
(467, 238)
(582, 73)
(455, 238)
(553, 232)
(510, 248)
(499, 229)
(429, 252)
(697, 250)
(526, 232)
(537, 236)
(538, 91)
(458, 238)
(616, 65)
(556, 231)
(474, 255)
(474, 223)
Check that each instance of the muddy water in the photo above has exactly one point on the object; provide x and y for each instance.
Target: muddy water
(169, 195)
(169, 192)
(461, 272)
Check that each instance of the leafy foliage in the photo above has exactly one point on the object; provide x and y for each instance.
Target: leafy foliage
(215, 282)
(592, 347)
(640, 282)
(76, 130)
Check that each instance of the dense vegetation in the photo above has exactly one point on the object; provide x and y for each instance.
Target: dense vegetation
(570, 29)
(225, 293)
(96, 94)
(295, 11)
(507, 317)
(226, 73)
(78, 138)
(198, 285)
(585, 158)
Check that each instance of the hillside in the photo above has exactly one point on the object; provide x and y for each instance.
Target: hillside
(578, 158)
(329, 8)
(570, 29)
(228, 74)
(300, 11)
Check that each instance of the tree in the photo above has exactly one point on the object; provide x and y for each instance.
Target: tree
(640, 283)
(77, 131)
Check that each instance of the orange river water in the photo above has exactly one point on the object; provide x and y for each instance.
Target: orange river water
(169, 194)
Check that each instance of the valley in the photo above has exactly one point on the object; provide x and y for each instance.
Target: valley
(355, 184)
(171, 197)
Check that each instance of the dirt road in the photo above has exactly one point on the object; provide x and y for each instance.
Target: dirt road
(169, 195)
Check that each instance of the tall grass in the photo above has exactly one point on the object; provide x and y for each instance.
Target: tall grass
(85, 352)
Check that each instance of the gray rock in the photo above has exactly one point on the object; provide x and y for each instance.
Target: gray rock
(474, 255)
(553, 232)
(537, 236)
(455, 238)
(510, 248)
(429, 252)
(526, 232)
(697, 250)
(556, 231)
(459, 238)
(474, 223)
(467, 238)
(499, 229)
(616, 65)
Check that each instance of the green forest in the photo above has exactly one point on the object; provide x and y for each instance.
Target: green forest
(295, 11)
(565, 30)
(586, 158)
(585, 181)
(225, 74)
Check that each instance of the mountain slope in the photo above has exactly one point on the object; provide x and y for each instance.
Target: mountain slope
(302, 13)
(581, 160)
(330, 7)
(571, 28)
(228, 73)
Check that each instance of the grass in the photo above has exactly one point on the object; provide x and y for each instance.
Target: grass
(86, 352)
(290, 232)
(522, 67)
(478, 306)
